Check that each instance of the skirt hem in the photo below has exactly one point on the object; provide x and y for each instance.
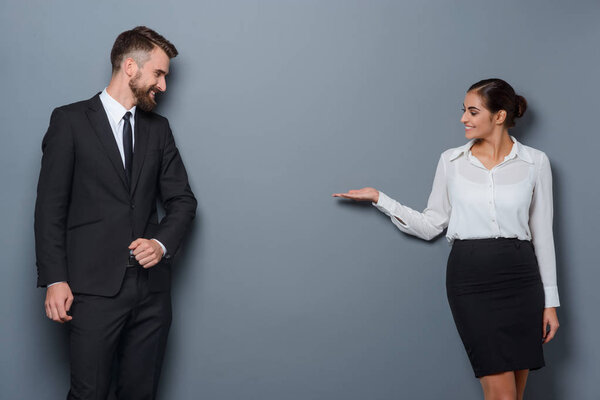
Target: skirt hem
(482, 373)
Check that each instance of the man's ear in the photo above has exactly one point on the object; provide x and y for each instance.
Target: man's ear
(130, 67)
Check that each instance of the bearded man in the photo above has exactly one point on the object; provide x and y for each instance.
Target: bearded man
(101, 251)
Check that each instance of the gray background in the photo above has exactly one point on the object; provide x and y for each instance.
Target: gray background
(283, 292)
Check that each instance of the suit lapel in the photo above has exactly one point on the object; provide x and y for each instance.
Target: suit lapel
(141, 142)
(99, 120)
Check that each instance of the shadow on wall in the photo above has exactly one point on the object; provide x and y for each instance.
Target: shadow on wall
(547, 383)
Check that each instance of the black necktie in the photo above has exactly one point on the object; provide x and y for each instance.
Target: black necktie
(127, 145)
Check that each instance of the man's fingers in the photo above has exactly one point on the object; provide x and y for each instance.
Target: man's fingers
(62, 313)
(48, 312)
(150, 264)
(142, 249)
(135, 243)
(55, 315)
(68, 303)
(144, 254)
(145, 261)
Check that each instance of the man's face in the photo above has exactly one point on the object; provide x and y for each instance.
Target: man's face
(150, 79)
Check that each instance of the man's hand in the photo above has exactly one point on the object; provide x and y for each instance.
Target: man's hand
(58, 301)
(147, 252)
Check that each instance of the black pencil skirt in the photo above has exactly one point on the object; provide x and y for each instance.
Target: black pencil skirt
(497, 300)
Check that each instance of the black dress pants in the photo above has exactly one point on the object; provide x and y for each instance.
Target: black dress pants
(133, 326)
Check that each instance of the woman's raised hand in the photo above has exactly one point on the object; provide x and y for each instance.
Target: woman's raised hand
(364, 194)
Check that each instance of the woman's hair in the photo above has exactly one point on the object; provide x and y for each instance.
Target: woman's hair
(499, 95)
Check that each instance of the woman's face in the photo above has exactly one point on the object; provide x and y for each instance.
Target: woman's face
(479, 122)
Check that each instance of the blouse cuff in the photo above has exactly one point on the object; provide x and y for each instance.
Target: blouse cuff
(551, 295)
(385, 204)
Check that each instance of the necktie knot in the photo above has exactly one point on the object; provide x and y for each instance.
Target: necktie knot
(127, 116)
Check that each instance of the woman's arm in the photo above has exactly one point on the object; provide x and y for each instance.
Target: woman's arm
(425, 225)
(540, 224)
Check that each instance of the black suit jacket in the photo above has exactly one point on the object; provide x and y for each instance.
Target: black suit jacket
(86, 212)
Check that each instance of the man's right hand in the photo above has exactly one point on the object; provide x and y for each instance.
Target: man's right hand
(58, 301)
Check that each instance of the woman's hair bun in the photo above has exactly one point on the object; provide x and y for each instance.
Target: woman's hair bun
(520, 106)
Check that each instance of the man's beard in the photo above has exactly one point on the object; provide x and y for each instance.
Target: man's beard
(142, 95)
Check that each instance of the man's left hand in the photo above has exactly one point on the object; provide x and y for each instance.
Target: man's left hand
(147, 251)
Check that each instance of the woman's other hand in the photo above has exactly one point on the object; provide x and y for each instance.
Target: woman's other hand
(364, 194)
(550, 319)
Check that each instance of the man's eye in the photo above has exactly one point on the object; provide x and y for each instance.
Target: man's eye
(473, 113)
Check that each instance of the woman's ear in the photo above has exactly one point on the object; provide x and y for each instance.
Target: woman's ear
(500, 117)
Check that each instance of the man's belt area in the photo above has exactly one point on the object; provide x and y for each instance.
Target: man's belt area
(132, 262)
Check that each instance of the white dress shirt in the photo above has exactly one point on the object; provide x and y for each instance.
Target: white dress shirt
(115, 112)
(512, 200)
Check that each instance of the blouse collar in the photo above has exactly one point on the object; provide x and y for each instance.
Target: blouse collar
(518, 150)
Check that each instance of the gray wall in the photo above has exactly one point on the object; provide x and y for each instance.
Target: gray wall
(283, 292)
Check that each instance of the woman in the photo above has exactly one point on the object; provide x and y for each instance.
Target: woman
(495, 196)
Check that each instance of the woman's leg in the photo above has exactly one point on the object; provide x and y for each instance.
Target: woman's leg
(521, 380)
(500, 386)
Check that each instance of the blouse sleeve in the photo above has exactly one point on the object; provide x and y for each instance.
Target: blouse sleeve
(432, 221)
(540, 224)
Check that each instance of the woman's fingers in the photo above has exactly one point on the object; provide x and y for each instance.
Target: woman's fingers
(363, 194)
(551, 321)
(551, 333)
(351, 196)
(553, 329)
(347, 195)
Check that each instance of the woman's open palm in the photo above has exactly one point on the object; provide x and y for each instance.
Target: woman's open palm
(364, 194)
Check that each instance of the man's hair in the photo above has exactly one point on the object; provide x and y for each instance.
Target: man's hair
(137, 43)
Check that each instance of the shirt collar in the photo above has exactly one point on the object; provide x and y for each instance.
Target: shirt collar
(114, 109)
(518, 150)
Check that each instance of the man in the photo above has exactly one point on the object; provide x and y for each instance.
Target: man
(101, 251)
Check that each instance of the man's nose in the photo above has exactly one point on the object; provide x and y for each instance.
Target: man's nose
(162, 84)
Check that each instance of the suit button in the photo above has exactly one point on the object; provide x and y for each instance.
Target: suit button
(132, 205)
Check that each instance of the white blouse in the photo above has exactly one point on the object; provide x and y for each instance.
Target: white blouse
(513, 199)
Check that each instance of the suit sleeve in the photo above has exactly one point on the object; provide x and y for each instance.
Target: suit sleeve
(177, 197)
(53, 195)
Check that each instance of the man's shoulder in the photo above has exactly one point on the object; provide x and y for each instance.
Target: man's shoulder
(78, 106)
